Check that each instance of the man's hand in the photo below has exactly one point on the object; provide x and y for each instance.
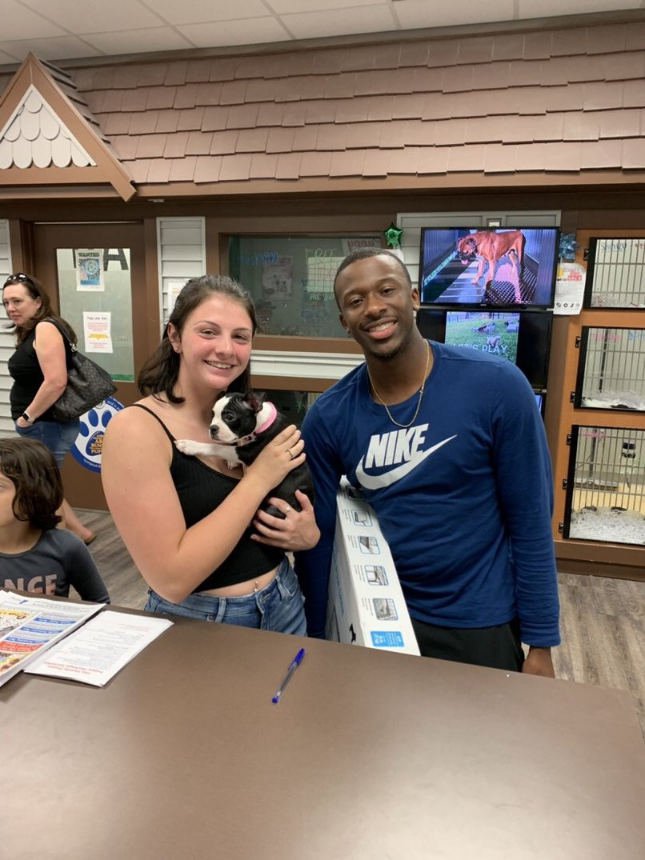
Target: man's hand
(539, 662)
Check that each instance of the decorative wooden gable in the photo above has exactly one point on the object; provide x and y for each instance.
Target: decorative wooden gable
(49, 137)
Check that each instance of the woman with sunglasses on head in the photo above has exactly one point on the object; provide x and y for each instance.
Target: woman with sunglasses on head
(39, 368)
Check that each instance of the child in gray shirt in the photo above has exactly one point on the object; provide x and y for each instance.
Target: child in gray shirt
(35, 556)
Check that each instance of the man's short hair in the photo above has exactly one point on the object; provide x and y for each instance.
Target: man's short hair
(363, 254)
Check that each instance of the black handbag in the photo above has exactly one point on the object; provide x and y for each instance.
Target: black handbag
(87, 385)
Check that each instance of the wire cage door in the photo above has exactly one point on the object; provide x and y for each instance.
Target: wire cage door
(606, 486)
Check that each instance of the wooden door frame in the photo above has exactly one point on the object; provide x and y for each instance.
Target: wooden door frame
(82, 487)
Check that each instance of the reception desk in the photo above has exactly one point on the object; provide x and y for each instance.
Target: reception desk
(368, 755)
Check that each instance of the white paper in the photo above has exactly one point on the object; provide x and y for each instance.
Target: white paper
(97, 331)
(569, 289)
(174, 288)
(101, 648)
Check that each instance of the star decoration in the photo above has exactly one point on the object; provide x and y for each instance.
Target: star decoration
(393, 236)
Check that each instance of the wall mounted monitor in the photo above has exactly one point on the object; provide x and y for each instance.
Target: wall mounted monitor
(522, 337)
(493, 267)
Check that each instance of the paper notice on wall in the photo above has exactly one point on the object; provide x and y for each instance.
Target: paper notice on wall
(89, 271)
(97, 331)
(174, 288)
(277, 278)
(569, 288)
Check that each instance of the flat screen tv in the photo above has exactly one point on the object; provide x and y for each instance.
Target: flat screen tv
(488, 267)
(522, 337)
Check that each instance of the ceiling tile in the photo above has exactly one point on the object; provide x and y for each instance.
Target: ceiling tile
(199, 11)
(135, 41)
(444, 13)
(103, 16)
(59, 48)
(224, 33)
(312, 25)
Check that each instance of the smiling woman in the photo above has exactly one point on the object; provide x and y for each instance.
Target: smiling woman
(187, 521)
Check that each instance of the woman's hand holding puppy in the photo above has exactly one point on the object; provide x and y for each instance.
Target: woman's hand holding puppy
(280, 456)
(297, 531)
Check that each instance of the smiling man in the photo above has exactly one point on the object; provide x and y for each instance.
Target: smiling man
(447, 446)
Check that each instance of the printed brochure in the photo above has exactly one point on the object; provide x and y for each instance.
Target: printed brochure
(31, 625)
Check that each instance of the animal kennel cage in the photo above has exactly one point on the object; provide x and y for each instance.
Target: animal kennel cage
(611, 371)
(606, 485)
(615, 274)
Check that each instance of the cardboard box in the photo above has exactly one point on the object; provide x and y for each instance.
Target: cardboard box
(366, 604)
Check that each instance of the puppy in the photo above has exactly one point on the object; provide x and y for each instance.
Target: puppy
(242, 425)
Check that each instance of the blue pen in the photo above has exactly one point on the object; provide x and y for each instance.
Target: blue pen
(297, 660)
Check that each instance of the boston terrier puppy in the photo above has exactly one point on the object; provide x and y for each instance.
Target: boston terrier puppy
(242, 425)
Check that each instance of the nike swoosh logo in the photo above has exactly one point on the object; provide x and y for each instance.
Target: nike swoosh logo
(377, 482)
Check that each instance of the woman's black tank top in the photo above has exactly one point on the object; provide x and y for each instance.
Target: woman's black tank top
(200, 490)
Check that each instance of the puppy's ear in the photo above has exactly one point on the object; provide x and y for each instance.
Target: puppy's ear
(255, 400)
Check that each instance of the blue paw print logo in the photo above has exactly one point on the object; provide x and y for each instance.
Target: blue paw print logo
(88, 447)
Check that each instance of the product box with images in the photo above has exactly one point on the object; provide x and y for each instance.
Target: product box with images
(366, 605)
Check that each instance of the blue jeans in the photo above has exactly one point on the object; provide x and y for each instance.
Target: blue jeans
(58, 437)
(278, 607)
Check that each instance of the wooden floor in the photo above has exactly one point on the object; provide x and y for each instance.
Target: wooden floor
(603, 619)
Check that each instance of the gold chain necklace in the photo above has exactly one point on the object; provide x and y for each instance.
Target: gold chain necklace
(421, 390)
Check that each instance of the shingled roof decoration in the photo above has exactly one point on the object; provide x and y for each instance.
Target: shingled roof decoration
(561, 105)
(49, 137)
(36, 135)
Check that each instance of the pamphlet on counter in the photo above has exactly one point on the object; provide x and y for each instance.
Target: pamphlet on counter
(30, 625)
(100, 649)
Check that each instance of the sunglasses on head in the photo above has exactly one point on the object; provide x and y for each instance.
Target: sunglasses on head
(17, 278)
